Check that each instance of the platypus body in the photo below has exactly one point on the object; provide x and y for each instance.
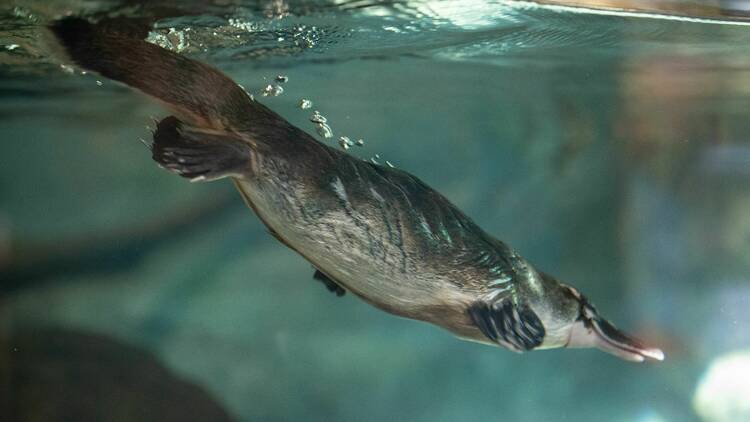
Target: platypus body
(375, 231)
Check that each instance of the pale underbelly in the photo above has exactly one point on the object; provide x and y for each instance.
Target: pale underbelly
(386, 277)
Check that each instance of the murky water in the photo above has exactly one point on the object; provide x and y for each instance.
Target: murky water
(610, 149)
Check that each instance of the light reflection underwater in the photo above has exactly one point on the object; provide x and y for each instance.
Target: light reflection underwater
(723, 392)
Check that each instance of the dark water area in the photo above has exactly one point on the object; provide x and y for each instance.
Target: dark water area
(609, 148)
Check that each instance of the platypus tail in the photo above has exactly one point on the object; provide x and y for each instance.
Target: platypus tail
(197, 93)
(217, 124)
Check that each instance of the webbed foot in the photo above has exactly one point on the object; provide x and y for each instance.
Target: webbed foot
(331, 285)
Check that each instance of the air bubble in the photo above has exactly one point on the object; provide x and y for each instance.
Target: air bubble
(272, 91)
(324, 130)
(318, 118)
(345, 142)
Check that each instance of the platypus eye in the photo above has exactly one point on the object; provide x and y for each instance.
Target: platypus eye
(586, 310)
(573, 292)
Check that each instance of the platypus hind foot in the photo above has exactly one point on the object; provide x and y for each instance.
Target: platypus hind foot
(198, 154)
(331, 285)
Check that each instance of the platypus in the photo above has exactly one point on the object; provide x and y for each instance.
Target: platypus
(372, 230)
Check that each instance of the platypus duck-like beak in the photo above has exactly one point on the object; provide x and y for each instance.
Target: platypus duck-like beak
(595, 331)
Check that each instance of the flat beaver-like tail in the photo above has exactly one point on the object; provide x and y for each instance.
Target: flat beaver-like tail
(197, 93)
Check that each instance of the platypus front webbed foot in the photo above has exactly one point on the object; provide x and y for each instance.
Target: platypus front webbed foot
(511, 325)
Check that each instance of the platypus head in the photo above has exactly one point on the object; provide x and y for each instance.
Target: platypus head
(572, 321)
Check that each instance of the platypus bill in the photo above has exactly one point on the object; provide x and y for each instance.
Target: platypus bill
(375, 231)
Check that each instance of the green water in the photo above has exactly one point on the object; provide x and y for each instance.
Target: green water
(611, 151)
